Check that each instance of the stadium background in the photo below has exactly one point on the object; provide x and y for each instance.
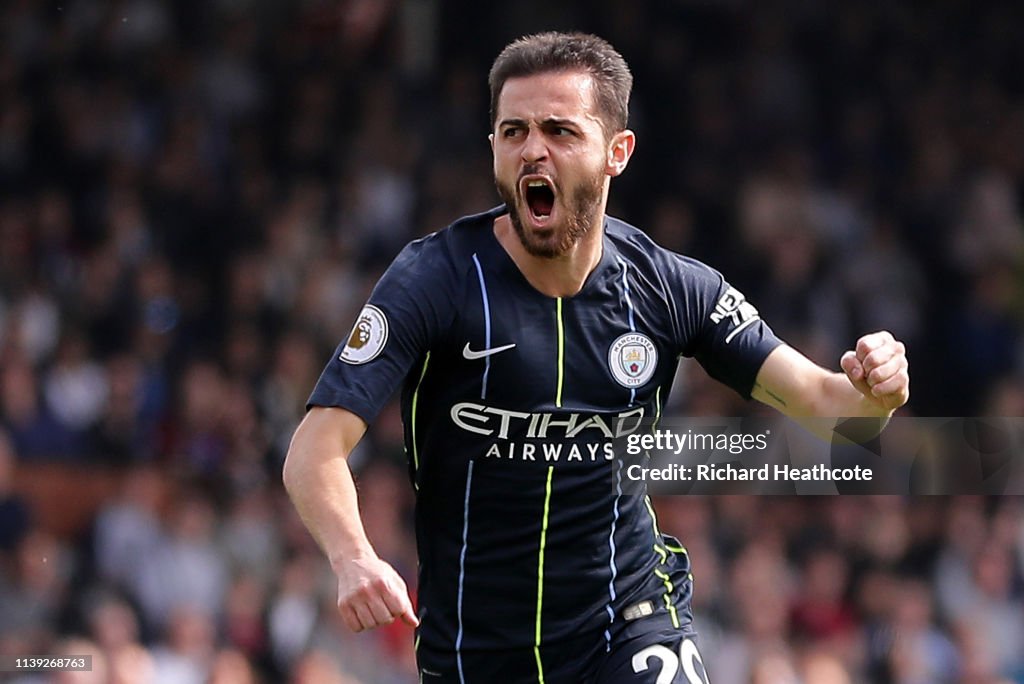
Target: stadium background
(195, 198)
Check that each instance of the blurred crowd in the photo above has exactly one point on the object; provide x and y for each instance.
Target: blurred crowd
(196, 197)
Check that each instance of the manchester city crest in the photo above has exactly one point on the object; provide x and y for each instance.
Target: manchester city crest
(632, 359)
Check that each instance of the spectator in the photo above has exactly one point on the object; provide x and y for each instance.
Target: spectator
(186, 570)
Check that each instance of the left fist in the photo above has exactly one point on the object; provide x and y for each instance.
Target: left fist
(878, 369)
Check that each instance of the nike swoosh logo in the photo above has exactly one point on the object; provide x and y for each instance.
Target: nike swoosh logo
(473, 355)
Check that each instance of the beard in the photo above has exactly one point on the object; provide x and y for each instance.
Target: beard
(581, 208)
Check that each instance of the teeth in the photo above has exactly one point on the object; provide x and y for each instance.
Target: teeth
(536, 184)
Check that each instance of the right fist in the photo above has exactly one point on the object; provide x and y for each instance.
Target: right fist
(371, 593)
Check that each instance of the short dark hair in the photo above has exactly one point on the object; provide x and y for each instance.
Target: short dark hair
(553, 51)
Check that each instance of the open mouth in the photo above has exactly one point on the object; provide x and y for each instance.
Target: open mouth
(540, 197)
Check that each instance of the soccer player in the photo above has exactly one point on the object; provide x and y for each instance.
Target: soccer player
(525, 339)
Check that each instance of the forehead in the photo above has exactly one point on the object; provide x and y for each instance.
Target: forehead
(557, 94)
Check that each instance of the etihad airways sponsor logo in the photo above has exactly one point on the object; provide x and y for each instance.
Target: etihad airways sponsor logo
(550, 452)
(488, 421)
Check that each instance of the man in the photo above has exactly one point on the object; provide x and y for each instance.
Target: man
(527, 337)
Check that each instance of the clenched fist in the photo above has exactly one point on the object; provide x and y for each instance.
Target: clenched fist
(878, 369)
(371, 594)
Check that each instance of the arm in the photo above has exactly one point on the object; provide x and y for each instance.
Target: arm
(318, 480)
(873, 384)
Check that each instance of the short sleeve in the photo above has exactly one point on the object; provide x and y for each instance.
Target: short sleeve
(726, 333)
(409, 308)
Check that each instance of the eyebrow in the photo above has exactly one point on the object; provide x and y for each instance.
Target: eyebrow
(550, 121)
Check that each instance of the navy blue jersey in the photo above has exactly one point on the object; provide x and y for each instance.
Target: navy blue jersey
(511, 399)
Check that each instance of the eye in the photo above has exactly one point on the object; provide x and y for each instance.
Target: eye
(562, 131)
(511, 132)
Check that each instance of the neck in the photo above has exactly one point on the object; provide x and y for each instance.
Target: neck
(561, 276)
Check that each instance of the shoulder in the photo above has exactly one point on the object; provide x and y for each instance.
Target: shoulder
(639, 251)
(446, 251)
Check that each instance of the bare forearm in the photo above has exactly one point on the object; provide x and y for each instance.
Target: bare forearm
(829, 397)
(799, 388)
(319, 482)
(874, 383)
(840, 399)
(316, 474)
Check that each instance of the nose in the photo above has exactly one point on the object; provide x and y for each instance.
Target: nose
(534, 147)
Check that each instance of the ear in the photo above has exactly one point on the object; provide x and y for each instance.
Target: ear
(619, 151)
(490, 139)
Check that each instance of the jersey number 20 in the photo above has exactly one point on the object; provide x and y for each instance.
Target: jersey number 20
(688, 656)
